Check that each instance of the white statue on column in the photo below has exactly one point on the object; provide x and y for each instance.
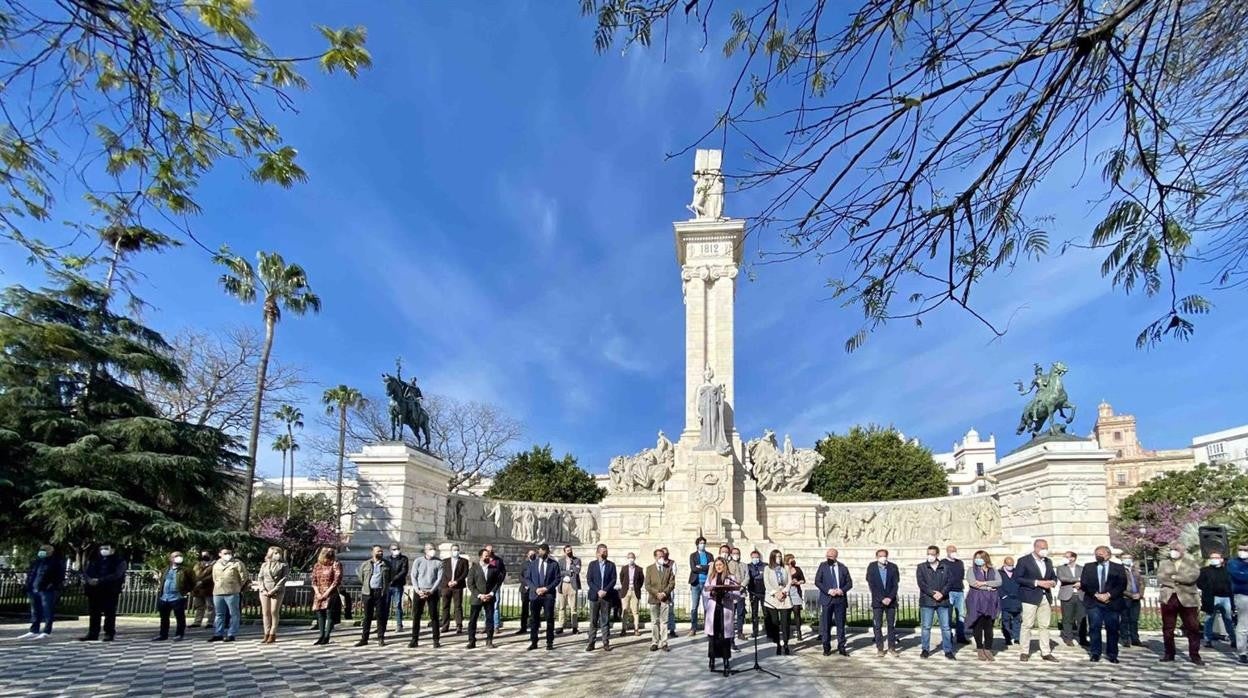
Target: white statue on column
(711, 415)
(708, 186)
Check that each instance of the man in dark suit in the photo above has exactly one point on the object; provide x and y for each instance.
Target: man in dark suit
(454, 577)
(529, 557)
(632, 581)
(883, 578)
(1103, 585)
(756, 587)
(833, 581)
(1036, 580)
(484, 581)
(496, 561)
(601, 579)
(542, 580)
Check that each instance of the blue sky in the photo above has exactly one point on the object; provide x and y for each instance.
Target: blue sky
(491, 201)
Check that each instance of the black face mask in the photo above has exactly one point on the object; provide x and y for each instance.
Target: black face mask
(831, 561)
(532, 557)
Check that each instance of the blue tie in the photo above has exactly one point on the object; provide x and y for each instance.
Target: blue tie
(1102, 589)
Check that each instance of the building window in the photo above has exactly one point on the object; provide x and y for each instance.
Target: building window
(983, 487)
(955, 490)
(1120, 453)
(1122, 479)
(979, 469)
(1215, 451)
(1117, 436)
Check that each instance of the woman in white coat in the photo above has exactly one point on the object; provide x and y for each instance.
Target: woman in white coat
(776, 603)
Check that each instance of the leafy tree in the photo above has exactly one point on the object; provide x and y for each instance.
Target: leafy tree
(292, 417)
(1214, 487)
(341, 399)
(307, 527)
(535, 476)
(86, 457)
(875, 464)
(1155, 526)
(909, 138)
(128, 104)
(281, 285)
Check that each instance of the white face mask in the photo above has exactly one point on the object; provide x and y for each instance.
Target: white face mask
(736, 558)
(882, 560)
(661, 562)
(1127, 562)
(455, 553)
(1175, 554)
(177, 559)
(1243, 554)
(701, 547)
(1043, 552)
(931, 558)
(1215, 561)
(105, 552)
(979, 562)
(428, 554)
(755, 560)
(952, 556)
(394, 552)
(631, 560)
(226, 557)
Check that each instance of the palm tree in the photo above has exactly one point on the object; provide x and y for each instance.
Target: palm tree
(342, 398)
(293, 417)
(282, 286)
(282, 443)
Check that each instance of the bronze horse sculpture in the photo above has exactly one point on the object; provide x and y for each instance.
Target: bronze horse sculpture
(406, 410)
(1049, 402)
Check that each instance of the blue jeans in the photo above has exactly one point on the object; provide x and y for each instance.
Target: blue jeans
(695, 600)
(1221, 605)
(396, 603)
(957, 611)
(42, 609)
(671, 619)
(925, 634)
(228, 614)
(1011, 625)
(1108, 617)
(498, 615)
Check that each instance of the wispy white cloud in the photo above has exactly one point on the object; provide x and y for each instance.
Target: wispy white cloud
(535, 213)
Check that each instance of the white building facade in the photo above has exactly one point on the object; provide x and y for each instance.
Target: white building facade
(969, 463)
(1226, 446)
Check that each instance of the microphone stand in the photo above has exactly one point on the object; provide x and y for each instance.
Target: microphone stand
(754, 620)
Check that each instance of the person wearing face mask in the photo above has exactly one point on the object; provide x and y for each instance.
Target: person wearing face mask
(933, 580)
(201, 594)
(529, 557)
(699, 567)
(176, 582)
(426, 578)
(1179, 598)
(496, 561)
(400, 567)
(1010, 603)
(600, 577)
(660, 583)
(1214, 583)
(739, 572)
(542, 582)
(883, 578)
(834, 582)
(957, 594)
(44, 580)
(796, 579)
(484, 581)
(756, 587)
(569, 585)
(454, 579)
(272, 577)
(632, 579)
(374, 574)
(1036, 580)
(982, 602)
(1129, 630)
(1103, 584)
(1071, 597)
(1238, 570)
(777, 602)
(229, 581)
(326, 580)
(102, 582)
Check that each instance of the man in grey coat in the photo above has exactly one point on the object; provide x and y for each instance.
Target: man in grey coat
(426, 579)
(1071, 596)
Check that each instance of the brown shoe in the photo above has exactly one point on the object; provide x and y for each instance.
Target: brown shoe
(980, 654)
(988, 656)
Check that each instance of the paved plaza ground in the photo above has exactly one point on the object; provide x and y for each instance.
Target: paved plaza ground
(132, 666)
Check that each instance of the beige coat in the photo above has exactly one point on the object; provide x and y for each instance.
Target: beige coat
(273, 574)
(229, 578)
(1179, 577)
(773, 586)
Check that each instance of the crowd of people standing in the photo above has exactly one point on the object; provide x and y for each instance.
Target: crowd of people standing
(1099, 601)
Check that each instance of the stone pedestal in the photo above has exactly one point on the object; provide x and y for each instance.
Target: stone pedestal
(792, 518)
(1054, 490)
(402, 498)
